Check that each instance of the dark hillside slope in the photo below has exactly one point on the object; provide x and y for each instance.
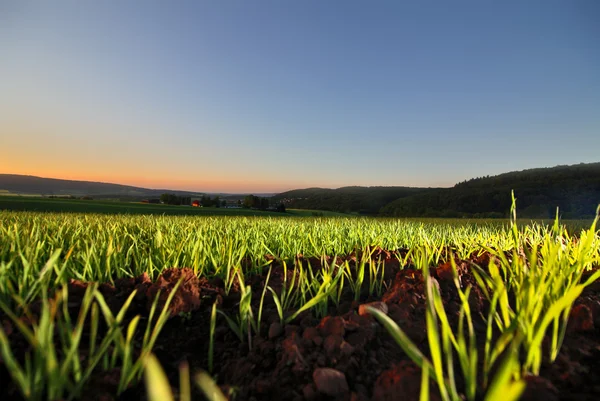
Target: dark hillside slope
(32, 185)
(574, 189)
(363, 200)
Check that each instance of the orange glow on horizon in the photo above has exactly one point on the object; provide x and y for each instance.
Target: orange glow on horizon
(224, 185)
(53, 150)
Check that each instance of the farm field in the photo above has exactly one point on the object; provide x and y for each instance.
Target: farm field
(108, 306)
(63, 205)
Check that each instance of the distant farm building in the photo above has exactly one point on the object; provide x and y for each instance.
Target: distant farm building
(196, 203)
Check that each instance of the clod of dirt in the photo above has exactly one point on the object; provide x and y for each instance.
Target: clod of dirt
(581, 319)
(330, 381)
(310, 333)
(332, 343)
(144, 278)
(364, 333)
(444, 272)
(408, 287)
(142, 282)
(187, 298)
(107, 288)
(77, 288)
(351, 325)
(275, 330)
(310, 392)
(400, 313)
(403, 379)
(125, 282)
(346, 348)
(332, 325)
(539, 388)
(382, 306)
(318, 340)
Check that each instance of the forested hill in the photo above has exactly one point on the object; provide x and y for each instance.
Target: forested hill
(363, 200)
(574, 189)
(32, 185)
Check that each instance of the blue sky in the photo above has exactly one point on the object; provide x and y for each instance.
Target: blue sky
(274, 95)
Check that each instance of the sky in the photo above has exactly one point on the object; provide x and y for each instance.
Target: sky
(266, 96)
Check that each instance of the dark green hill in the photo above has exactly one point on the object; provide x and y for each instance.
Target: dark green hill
(362, 200)
(32, 185)
(574, 189)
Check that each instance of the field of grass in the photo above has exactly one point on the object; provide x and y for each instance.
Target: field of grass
(315, 213)
(477, 307)
(63, 205)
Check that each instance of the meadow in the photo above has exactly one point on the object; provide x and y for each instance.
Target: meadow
(139, 306)
(64, 205)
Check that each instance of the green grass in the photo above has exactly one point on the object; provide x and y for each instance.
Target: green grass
(106, 246)
(42, 251)
(61, 205)
(315, 213)
(11, 202)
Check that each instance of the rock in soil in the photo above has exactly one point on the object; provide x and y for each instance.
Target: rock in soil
(330, 382)
(382, 306)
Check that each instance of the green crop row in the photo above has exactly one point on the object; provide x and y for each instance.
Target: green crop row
(105, 247)
(539, 267)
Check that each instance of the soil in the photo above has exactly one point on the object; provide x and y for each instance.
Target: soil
(345, 355)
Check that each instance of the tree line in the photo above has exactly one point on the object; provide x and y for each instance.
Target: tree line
(172, 199)
(257, 202)
(249, 202)
(358, 200)
(207, 201)
(574, 190)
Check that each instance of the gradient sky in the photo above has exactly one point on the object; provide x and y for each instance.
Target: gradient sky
(274, 95)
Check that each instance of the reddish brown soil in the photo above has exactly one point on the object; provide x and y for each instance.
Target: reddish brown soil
(346, 355)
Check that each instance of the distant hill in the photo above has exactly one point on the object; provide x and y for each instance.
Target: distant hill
(32, 185)
(362, 200)
(574, 189)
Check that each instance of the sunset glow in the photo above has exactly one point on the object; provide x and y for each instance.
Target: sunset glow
(271, 96)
